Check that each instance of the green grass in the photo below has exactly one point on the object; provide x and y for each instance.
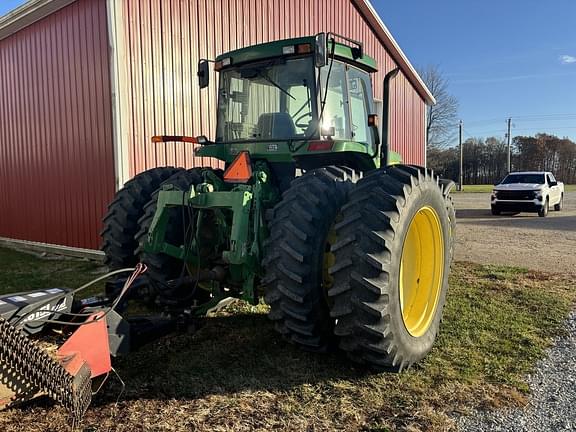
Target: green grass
(488, 188)
(24, 272)
(475, 189)
(236, 373)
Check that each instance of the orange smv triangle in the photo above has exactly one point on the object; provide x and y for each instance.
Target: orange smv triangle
(240, 170)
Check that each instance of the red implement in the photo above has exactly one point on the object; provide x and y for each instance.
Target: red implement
(88, 344)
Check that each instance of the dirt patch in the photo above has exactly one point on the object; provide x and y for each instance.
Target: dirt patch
(524, 240)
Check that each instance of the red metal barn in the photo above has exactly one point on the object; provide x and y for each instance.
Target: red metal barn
(84, 84)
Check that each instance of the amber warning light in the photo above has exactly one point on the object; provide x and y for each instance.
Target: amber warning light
(240, 170)
(173, 138)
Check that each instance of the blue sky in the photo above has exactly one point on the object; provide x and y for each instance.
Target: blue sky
(511, 58)
(7, 5)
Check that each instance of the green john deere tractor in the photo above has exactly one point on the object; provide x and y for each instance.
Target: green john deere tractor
(313, 213)
(348, 246)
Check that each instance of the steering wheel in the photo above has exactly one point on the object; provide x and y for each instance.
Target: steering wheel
(302, 117)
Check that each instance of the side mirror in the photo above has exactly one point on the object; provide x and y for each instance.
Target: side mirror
(203, 74)
(321, 57)
(553, 183)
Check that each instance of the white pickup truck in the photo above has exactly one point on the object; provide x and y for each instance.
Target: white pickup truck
(529, 191)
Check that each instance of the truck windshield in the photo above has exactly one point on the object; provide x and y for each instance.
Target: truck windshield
(524, 178)
(272, 100)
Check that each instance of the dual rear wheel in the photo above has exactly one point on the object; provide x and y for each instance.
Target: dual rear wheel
(361, 264)
(364, 267)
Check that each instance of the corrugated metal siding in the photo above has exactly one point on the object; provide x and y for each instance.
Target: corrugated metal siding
(166, 38)
(56, 151)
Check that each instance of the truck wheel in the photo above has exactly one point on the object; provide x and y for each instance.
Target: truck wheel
(121, 221)
(392, 264)
(543, 212)
(495, 211)
(560, 205)
(162, 267)
(297, 256)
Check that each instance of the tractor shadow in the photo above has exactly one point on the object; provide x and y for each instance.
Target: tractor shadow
(229, 354)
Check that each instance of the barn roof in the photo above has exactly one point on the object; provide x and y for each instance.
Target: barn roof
(28, 13)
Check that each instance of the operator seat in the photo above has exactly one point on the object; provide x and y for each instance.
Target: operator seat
(276, 125)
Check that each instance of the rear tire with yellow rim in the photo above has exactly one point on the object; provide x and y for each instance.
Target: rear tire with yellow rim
(392, 264)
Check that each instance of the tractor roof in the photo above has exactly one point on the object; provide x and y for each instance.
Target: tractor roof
(275, 49)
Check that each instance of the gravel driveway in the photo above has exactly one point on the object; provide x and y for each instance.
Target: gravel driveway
(547, 244)
(552, 406)
(524, 240)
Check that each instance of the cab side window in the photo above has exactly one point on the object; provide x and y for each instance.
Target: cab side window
(360, 90)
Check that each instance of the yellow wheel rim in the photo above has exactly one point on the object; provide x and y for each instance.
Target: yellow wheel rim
(421, 271)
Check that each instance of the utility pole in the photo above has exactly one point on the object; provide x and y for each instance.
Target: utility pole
(461, 180)
(509, 135)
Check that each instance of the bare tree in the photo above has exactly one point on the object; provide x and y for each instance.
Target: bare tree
(442, 117)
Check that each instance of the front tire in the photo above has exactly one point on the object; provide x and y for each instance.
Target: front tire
(297, 256)
(389, 291)
(543, 212)
(495, 211)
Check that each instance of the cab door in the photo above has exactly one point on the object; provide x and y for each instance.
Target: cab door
(554, 189)
(361, 105)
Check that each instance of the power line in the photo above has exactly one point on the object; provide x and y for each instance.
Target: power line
(539, 128)
(523, 118)
(523, 128)
(468, 135)
(544, 116)
(482, 122)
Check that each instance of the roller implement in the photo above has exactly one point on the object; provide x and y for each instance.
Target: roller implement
(312, 213)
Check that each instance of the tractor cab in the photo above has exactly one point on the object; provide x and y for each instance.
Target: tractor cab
(305, 101)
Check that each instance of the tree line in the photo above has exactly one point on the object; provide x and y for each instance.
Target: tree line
(485, 160)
